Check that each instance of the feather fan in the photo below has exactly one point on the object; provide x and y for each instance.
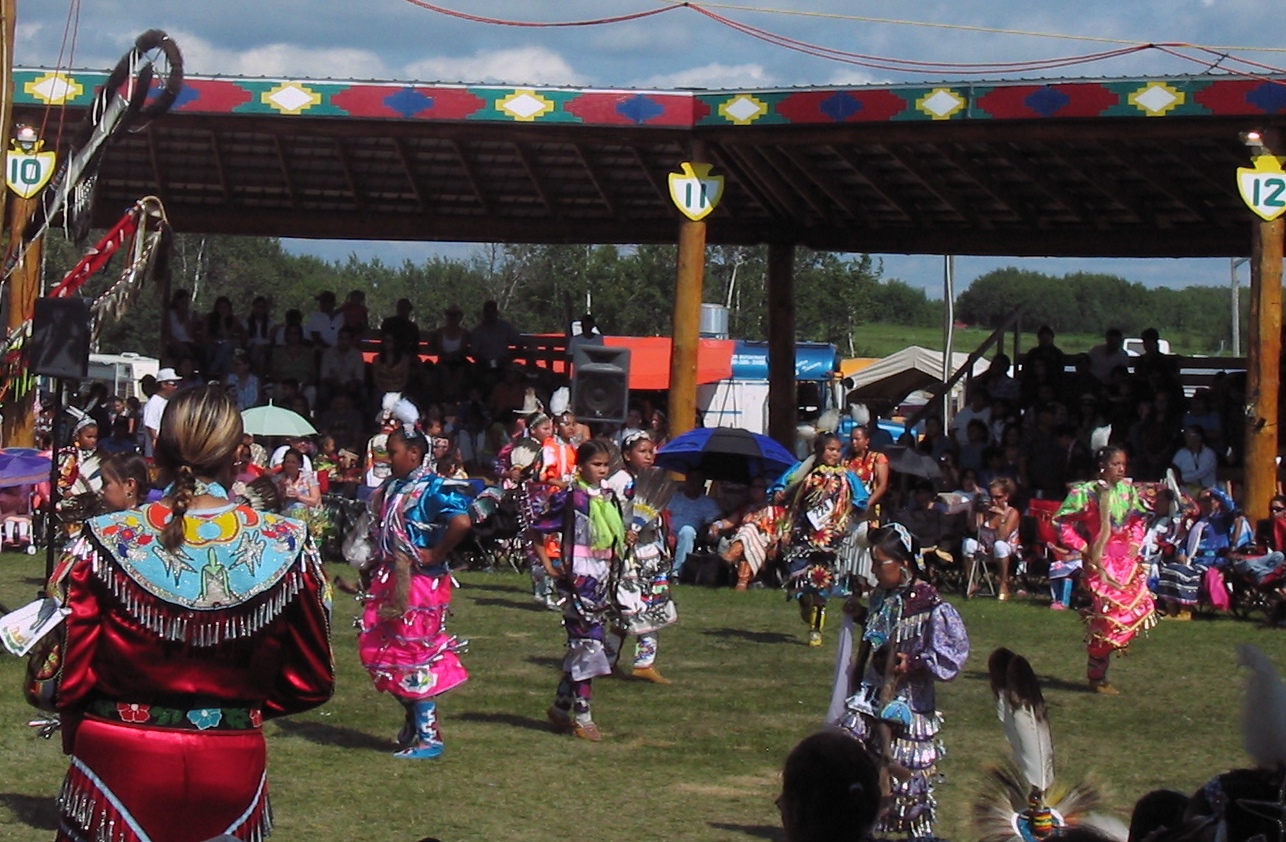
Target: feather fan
(1002, 803)
(653, 490)
(525, 454)
(1027, 725)
(560, 400)
(387, 403)
(261, 494)
(406, 413)
(1263, 720)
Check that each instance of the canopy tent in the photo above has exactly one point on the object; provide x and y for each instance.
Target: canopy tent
(898, 375)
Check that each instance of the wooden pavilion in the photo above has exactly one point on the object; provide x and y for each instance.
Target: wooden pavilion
(1142, 167)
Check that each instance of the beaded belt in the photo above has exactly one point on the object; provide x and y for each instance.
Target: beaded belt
(197, 719)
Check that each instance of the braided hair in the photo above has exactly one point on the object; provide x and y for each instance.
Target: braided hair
(199, 435)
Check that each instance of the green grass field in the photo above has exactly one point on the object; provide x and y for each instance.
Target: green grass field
(697, 760)
(880, 340)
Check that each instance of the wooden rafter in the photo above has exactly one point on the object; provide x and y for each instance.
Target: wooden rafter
(874, 183)
(346, 168)
(1040, 177)
(287, 182)
(788, 178)
(827, 186)
(594, 179)
(999, 192)
(408, 169)
(536, 184)
(1159, 178)
(776, 201)
(216, 152)
(470, 176)
(912, 160)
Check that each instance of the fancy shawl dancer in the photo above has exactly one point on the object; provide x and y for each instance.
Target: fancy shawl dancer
(403, 640)
(911, 640)
(1121, 604)
(643, 595)
(192, 620)
(820, 495)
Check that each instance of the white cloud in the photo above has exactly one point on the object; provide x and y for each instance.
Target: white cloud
(714, 75)
(522, 65)
(292, 60)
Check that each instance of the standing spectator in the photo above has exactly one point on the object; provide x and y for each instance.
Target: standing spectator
(587, 335)
(293, 318)
(493, 341)
(181, 326)
(979, 409)
(259, 332)
(167, 383)
(1043, 364)
(996, 380)
(342, 367)
(1105, 357)
(223, 335)
(405, 332)
(450, 343)
(321, 328)
(1155, 371)
(356, 317)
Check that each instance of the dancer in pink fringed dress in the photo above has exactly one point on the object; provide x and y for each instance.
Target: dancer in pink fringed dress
(1121, 604)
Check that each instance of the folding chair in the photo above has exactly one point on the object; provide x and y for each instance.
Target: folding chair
(982, 575)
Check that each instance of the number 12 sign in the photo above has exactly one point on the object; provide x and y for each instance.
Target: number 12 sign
(1263, 188)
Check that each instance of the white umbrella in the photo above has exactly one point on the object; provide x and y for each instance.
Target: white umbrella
(275, 421)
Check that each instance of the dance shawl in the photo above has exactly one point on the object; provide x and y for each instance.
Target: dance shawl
(173, 659)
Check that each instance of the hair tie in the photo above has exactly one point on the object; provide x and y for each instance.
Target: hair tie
(904, 536)
(634, 437)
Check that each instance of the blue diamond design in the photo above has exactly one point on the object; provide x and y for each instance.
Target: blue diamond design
(640, 108)
(841, 106)
(1268, 96)
(186, 95)
(1047, 101)
(408, 102)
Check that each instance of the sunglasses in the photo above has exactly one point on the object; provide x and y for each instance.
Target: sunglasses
(1277, 508)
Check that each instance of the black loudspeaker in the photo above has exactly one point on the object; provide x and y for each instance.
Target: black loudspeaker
(600, 383)
(59, 344)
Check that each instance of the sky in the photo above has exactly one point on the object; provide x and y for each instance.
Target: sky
(680, 48)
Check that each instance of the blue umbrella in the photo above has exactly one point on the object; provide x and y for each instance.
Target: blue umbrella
(725, 453)
(22, 468)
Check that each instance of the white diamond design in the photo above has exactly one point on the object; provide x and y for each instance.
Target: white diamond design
(742, 109)
(55, 89)
(1156, 98)
(525, 106)
(941, 103)
(291, 98)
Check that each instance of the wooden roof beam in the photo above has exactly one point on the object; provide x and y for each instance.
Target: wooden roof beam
(1074, 204)
(874, 182)
(536, 183)
(789, 177)
(404, 156)
(853, 209)
(1158, 178)
(913, 162)
(723, 158)
(347, 168)
(470, 176)
(288, 183)
(594, 179)
(774, 197)
(216, 152)
(999, 192)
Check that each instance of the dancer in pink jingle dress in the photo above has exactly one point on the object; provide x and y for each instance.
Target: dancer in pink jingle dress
(1121, 604)
(403, 642)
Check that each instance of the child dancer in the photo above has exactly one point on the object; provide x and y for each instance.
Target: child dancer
(593, 540)
(912, 638)
(643, 592)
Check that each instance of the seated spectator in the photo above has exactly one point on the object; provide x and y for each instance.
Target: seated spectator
(223, 335)
(996, 526)
(1106, 357)
(259, 330)
(751, 533)
(321, 328)
(973, 451)
(243, 384)
(294, 360)
(391, 368)
(1201, 414)
(343, 420)
(1155, 371)
(996, 379)
(122, 440)
(356, 316)
(494, 340)
(1043, 365)
(1206, 540)
(182, 327)
(450, 343)
(405, 332)
(300, 495)
(1267, 561)
(979, 409)
(830, 790)
(689, 516)
(935, 441)
(1195, 463)
(299, 444)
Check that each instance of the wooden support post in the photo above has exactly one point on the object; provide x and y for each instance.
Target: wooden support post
(689, 280)
(1263, 357)
(24, 285)
(781, 344)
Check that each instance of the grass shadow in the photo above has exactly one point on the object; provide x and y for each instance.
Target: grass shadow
(1047, 682)
(38, 811)
(510, 719)
(480, 586)
(752, 636)
(509, 603)
(756, 831)
(548, 663)
(333, 735)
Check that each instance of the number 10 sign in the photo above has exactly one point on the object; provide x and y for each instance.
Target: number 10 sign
(1263, 188)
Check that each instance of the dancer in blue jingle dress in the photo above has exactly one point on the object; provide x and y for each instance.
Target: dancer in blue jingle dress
(593, 541)
(912, 639)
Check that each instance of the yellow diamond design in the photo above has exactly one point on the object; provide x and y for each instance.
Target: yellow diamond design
(525, 105)
(54, 88)
(743, 109)
(940, 103)
(1156, 99)
(291, 98)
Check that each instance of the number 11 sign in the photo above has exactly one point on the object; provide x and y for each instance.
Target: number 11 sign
(1263, 188)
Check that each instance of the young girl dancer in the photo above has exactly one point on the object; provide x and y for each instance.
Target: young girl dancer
(593, 540)
(911, 640)
(643, 588)
(820, 495)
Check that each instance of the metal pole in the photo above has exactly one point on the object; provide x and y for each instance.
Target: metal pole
(782, 411)
(948, 330)
(1233, 264)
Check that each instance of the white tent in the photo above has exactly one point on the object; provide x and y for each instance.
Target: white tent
(909, 370)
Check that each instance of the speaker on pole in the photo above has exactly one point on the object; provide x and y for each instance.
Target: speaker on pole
(59, 345)
(600, 383)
